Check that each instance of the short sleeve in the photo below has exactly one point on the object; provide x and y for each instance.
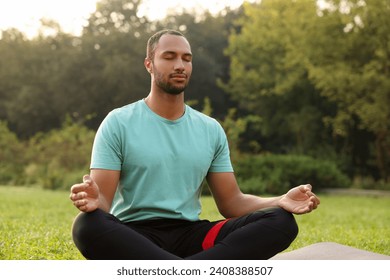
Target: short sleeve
(221, 161)
(106, 151)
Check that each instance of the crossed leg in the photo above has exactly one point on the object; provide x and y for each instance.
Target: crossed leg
(259, 235)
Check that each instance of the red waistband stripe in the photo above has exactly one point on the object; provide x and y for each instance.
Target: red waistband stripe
(211, 235)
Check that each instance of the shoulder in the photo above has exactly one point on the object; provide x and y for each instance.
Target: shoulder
(202, 118)
(123, 114)
(127, 110)
(120, 117)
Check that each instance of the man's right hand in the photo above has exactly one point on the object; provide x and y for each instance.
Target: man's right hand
(85, 196)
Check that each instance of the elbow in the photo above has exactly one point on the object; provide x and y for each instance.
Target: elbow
(227, 212)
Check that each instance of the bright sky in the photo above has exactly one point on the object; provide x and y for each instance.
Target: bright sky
(25, 15)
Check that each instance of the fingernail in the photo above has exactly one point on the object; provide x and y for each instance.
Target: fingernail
(86, 179)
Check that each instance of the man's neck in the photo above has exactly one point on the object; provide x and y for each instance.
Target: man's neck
(166, 105)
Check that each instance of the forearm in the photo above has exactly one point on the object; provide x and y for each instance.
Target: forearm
(245, 203)
(106, 183)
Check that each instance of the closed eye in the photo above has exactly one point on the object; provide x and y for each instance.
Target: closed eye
(187, 58)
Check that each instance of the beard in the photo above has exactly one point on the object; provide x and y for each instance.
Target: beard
(167, 86)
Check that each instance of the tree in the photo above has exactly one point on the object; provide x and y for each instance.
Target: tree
(31, 71)
(327, 68)
(269, 76)
(351, 66)
(12, 48)
(55, 75)
(108, 70)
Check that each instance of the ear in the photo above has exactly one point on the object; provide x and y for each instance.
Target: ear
(148, 65)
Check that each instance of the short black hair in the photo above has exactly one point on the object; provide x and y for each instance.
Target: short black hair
(154, 39)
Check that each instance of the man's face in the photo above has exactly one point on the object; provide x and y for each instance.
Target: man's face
(171, 67)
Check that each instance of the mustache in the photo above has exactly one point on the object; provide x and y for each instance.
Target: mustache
(178, 75)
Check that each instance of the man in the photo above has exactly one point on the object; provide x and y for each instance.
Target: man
(141, 199)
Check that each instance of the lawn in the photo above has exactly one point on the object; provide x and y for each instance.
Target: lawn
(35, 224)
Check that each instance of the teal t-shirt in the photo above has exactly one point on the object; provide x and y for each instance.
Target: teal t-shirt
(162, 162)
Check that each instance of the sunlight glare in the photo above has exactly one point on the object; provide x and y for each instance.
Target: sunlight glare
(25, 15)
(72, 15)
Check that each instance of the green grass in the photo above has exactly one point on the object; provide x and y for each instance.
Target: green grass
(357, 221)
(360, 222)
(35, 224)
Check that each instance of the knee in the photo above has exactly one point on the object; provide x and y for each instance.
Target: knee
(80, 226)
(286, 222)
(85, 228)
(80, 229)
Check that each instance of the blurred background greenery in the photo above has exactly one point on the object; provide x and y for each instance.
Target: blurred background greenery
(302, 89)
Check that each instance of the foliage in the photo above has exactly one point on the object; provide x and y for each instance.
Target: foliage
(354, 72)
(33, 94)
(319, 78)
(276, 174)
(369, 183)
(44, 79)
(234, 128)
(54, 160)
(269, 78)
(36, 224)
(59, 158)
(316, 84)
(11, 156)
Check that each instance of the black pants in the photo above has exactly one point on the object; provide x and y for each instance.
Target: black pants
(259, 235)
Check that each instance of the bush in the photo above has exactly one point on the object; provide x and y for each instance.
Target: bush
(59, 158)
(369, 183)
(11, 156)
(275, 174)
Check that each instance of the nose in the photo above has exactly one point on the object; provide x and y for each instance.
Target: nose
(179, 64)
